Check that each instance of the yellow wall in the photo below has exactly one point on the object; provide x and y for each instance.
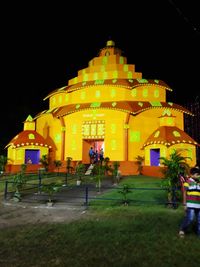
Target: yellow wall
(139, 128)
(51, 129)
(142, 126)
(17, 156)
(114, 132)
(185, 149)
(105, 93)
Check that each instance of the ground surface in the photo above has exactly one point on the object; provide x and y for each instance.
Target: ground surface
(69, 207)
(12, 214)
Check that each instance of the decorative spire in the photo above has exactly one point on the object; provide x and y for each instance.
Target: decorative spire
(110, 43)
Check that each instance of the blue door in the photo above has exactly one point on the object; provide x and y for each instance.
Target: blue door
(154, 157)
(32, 155)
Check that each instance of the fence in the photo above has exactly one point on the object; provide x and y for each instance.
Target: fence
(89, 194)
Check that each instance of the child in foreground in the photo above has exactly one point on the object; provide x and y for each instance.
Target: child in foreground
(191, 202)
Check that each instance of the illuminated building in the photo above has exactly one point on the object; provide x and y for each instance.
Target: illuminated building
(109, 105)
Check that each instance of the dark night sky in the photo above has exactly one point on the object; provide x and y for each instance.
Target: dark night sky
(43, 46)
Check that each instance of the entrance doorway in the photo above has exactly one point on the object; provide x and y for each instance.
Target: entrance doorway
(154, 157)
(97, 144)
(33, 155)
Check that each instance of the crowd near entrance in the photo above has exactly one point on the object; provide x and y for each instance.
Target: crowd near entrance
(97, 147)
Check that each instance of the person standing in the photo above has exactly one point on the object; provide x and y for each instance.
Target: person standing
(101, 155)
(191, 202)
(96, 157)
(91, 155)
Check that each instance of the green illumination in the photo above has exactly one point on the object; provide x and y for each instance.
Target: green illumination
(105, 75)
(98, 93)
(93, 129)
(113, 93)
(140, 104)
(57, 138)
(134, 92)
(104, 60)
(99, 82)
(83, 95)
(29, 118)
(31, 136)
(155, 104)
(125, 67)
(103, 68)
(95, 104)
(114, 104)
(115, 74)
(157, 133)
(170, 103)
(74, 129)
(78, 106)
(176, 134)
(85, 77)
(100, 129)
(169, 121)
(113, 144)
(86, 129)
(190, 153)
(166, 112)
(114, 80)
(66, 98)
(129, 75)
(121, 60)
(95, 76)
(142, 80)
(134, 136)
(145, 92)
(156, 81)
(156, 93)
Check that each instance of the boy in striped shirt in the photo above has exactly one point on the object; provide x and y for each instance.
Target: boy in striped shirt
(191, 202)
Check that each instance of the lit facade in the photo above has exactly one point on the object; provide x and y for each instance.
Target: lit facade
(109, 105)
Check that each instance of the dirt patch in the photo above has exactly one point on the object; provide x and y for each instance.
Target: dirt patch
(12, 214)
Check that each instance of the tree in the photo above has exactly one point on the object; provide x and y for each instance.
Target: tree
(3, 162)
(99, 173)
(58, 164)
(124, 192)
(19, 182)
(174, 165)
(139, 162)
(68, 164)
(45, 161)
(116, 172)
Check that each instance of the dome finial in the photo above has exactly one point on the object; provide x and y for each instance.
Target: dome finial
(110, 42)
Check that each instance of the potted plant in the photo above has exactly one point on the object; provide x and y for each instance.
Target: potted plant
(50, 189)
(80, 171)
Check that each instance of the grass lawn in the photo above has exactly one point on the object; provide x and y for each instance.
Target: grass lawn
(115, 236)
